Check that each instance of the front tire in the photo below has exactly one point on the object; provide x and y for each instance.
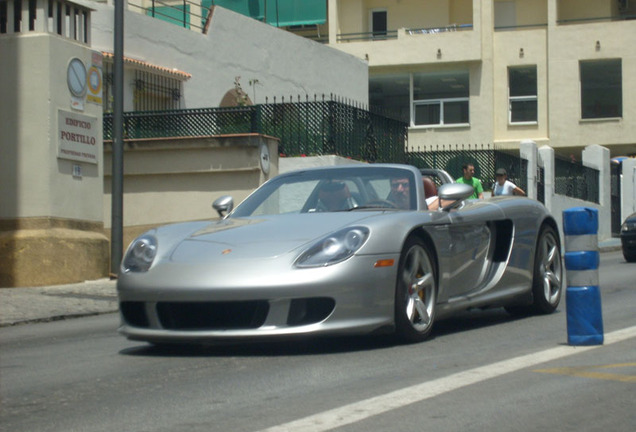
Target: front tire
(415, 292)
(630, 256)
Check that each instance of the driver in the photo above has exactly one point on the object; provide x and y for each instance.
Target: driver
(334, 196)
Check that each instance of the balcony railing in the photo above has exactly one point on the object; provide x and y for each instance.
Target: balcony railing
(521, 27)
(434, 30)
(366, 36)
(393, 34)
(596, 19)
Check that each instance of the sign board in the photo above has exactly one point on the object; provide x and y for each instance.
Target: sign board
(95, 78)
(78, 137)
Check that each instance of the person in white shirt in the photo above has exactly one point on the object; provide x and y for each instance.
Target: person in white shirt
(503, 186)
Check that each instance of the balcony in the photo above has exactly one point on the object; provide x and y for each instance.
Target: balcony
(64, 18)
(570, 12)
(448, 43)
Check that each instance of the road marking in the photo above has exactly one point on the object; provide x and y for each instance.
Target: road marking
(592, 372)
(364, 409)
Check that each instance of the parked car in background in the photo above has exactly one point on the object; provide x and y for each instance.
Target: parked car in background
(335, 251)
(628, 238)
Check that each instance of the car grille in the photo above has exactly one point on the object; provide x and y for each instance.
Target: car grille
(237, 315)
(212, 315)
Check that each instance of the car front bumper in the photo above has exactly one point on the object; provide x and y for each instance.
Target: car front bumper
(353, 297)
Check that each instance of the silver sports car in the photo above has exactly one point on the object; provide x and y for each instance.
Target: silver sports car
(340, 250)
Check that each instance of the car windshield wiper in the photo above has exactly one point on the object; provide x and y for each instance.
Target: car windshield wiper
(372, 207)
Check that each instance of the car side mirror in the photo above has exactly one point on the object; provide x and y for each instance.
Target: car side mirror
(223, 204)
(453, 194)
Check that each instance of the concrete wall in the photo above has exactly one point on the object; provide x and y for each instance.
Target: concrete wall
(596, 157)
(177, 179)
(284, 64)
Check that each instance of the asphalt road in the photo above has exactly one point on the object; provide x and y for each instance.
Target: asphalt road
(482, 371)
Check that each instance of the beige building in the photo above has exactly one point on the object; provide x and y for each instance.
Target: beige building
(559, 72)
(55, 82)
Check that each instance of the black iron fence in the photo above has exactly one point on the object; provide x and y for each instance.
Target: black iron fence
(616, 171)
(484, 158)
(317, 127)
(573, 179)
(329, 127)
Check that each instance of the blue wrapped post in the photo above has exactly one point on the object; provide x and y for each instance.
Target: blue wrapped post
(582, 295)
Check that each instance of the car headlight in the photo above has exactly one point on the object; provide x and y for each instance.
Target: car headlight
(334, 248)
(628, 226)
(140, 254)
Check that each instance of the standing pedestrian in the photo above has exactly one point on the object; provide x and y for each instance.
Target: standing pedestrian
(503, 186)
(468, 178)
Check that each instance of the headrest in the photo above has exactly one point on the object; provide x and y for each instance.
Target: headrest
(429, 187)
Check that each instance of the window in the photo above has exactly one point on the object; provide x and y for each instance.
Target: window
(389, 94)
(155, 92)
(601, 89)
(379, 23)
(522, 94)
(440, 99)
(505, 14)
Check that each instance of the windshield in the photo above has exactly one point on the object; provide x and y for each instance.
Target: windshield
(332, 190)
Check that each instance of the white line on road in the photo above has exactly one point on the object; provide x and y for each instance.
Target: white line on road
(362, 410)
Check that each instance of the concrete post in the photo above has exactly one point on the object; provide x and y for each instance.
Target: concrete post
(546, 160)
(528, 151)
(628, 188)
(598, 157)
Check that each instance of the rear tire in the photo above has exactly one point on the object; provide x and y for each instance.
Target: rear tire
(547, 276)
(547, 281)
(415, 292)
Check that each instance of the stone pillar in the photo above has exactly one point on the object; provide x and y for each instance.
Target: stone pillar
(528, 151)
(51, 162)
(546, 159)
(598, 157)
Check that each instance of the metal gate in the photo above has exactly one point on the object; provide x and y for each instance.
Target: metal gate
(616, 170)
(541, 184)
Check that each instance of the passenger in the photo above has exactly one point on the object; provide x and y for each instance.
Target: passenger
(334, 196)
(400, 194)
(430, 193)
(503, 186)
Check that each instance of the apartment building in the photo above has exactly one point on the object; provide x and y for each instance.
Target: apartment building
(559, 72)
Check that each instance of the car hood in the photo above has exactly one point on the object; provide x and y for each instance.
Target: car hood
(260, 238)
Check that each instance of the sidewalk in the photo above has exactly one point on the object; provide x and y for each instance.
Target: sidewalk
(50, 303)
(41, 304)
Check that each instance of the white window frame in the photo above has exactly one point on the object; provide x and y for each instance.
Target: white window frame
(440, 103)
(526, 98)
(512, 99)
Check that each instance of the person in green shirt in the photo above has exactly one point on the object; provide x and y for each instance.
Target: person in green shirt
(467, 178)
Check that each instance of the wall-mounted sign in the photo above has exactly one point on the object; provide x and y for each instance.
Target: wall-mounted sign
(78, 137)
(76, 78)
(94, 85)
(95, 79)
